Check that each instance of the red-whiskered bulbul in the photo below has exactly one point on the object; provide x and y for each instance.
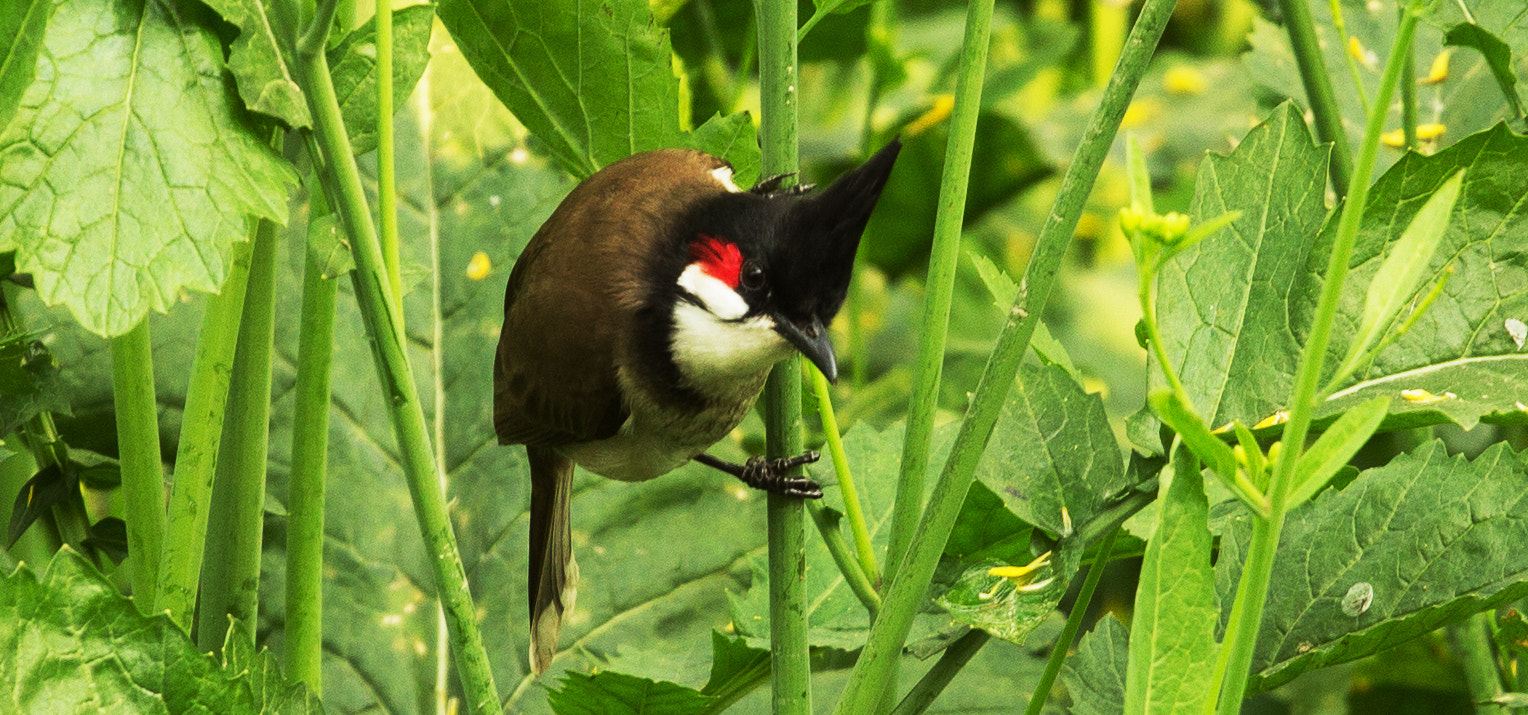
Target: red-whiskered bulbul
(640, 324)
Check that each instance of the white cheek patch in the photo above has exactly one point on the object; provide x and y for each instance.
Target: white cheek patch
(708, 350)
(720, 300)
(723, 176)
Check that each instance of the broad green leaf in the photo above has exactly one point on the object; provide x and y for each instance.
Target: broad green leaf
(1222, 304)
(608, 692)
(261, 59)
(69, 642)
(1498, 56)
(1095, 675)
(591, 80)
(129, 169)
(1172, 631)
(21, 33)
(269, 688)
(733, 138)
(1337, 445)
(1401, 272)
(735, 665)
(354, 63)
(1433, 538)
(1052, 450)
(1462, 344)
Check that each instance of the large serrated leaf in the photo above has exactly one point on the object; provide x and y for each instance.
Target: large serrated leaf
(1052, 450)
(1424, 541)
(128, 169)
(261, 59)
(1095, 675)
(1222, 305)
(69, 642)
(21, 32)
(591, 80)
(1172, 630)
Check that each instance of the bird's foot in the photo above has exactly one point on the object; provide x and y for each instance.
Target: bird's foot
(770, 475)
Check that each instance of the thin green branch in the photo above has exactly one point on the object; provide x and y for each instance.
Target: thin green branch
(791, 685)
(378, 308)
(1251, 594)
(905, 593)
(387, 183)
(854, 575)
(852, 509)
(1347, 52)
(201, 435)
(1073, 624)
(132, 368)
(1472, 646)
(940, 284)
(955, 657)
(1318, 88)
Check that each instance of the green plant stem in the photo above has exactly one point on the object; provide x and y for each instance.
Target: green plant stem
(305, 500)
(201, 434)
(1472, 645)
(852, 509)
(854, 575)
(940, 284)
(1318, 88)
(1073, 624)
(791, 686)
(237, 514)
(905, 593)
(1408, 89)
(132, 371)
(387, 183)
(1252, 593)
(376, 303)
(1342, 36)
(955, 657)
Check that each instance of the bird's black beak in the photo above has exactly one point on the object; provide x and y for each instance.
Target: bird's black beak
(812, 340)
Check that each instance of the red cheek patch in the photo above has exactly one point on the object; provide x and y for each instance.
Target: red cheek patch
(719, 259)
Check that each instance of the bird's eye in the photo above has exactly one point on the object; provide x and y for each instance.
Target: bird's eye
(752, 276)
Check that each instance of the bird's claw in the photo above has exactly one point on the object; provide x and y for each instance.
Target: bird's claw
(769, 475)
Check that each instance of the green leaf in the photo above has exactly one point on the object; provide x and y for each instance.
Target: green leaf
(328, 247)
(607, 692)
(1004, 290)
(29, 382)
(735, 666)
(1172, 632)
(1401, 272)
(1052, 450)
(1001, 607)
(1095, 674)
(825, 8)
(1434, 538)
(353, 64)
(1498, 56)
(733, 138)
(21, 34)
(100, 650)
(1195, 433)
(270, 690)
(129, 170)
(1322, 460)
(261, 59)
(1222, 304)
(591, 80)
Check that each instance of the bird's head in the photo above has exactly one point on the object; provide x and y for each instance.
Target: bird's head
(766, 270)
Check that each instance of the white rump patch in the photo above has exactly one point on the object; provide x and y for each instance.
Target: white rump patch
(723, 176)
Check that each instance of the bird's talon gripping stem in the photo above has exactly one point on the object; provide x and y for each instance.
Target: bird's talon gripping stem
(769, 474)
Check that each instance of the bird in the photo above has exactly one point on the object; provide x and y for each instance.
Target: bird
(641, 322)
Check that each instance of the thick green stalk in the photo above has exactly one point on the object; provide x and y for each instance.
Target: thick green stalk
(377, 304)
(132, 371)
(237, 516)
(940, 284)
(201, 433)
(1318, 88)
(1252, 592)
(1472, 646)
(905, 594)
(949, 664)
(852, 509)
(305, 500)
(387, 184)
(791, 685)
(1073, 624)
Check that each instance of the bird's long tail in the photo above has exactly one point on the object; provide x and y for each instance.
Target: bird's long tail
(553, 582)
